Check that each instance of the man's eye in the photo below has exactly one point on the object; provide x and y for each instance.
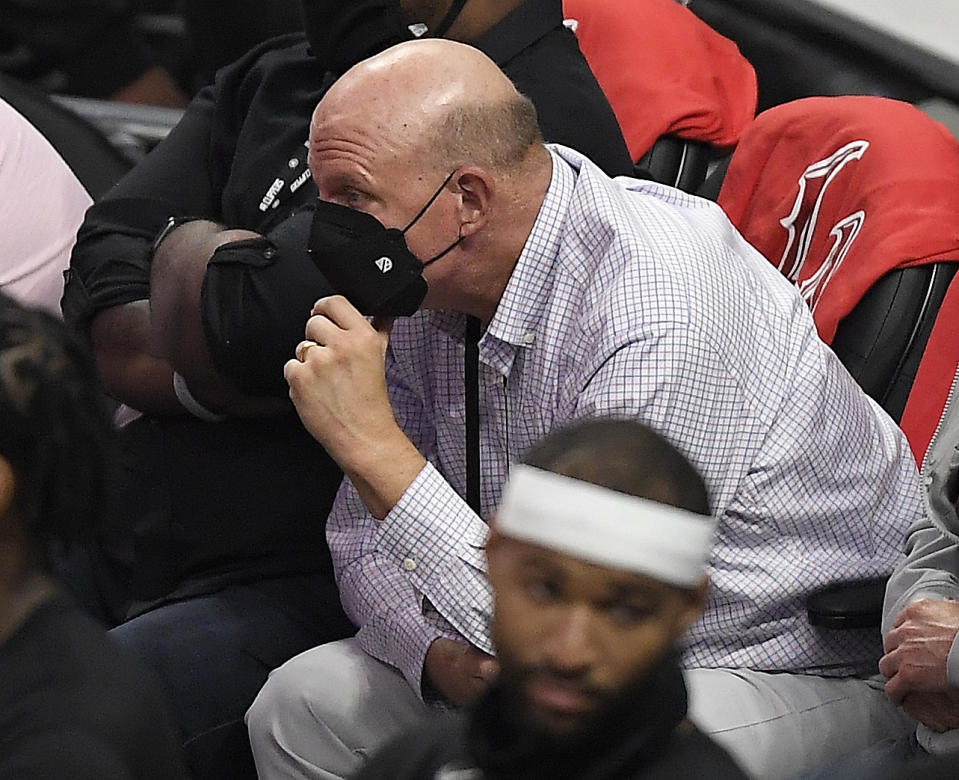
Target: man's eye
(544, 591)
(354, 197)
(626, 614)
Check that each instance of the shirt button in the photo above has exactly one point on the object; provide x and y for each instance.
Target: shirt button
(529, 338)
(269, 253)
(409, 564)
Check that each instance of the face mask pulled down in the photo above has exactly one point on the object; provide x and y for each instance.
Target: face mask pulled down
(368, 263)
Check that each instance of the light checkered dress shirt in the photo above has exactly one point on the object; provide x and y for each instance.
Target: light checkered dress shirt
(634, 299)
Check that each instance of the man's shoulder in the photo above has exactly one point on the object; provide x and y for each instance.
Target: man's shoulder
(269, 54)
(284, 59)
(82, 695)
(654, 228)
(63, 658)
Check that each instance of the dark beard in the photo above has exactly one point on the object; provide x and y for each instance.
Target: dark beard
(623, 732)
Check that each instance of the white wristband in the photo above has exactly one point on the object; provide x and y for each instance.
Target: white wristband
(188, 402)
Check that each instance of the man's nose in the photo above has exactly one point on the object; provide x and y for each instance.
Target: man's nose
(571, 643)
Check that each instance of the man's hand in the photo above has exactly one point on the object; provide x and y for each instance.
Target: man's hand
(937, 710)
(458, 671)
(338, 385)
(338, 379)
(917, 648)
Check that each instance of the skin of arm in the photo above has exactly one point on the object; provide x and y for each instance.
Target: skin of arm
(138, 345)
(127, 307)
(176, 327)
(339, 390)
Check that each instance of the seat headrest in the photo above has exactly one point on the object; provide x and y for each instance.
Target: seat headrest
(665, 71)
(838, 191)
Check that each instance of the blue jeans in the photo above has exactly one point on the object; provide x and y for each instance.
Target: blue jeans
(213, 653)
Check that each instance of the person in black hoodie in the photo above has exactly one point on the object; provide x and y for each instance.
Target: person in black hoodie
(72, 703)
(597, 561)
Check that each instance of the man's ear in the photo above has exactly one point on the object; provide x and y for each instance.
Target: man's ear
(475, 187)
(7, 486)
(693, 606)
(493, 539)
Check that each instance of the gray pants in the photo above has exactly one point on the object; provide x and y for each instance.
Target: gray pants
(324, 710)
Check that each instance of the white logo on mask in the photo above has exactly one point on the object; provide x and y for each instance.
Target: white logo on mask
(384, 264)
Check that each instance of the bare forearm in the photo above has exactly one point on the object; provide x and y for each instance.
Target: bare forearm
(338, 385)
(130, 368)
(177, 332)
(381, 469)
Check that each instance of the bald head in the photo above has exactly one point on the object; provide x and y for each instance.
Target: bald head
(446, 103)
(430, 137)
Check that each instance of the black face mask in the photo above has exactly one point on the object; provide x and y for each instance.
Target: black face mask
(367, 263)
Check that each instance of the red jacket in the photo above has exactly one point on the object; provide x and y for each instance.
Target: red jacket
(665, 71)
(838, 191)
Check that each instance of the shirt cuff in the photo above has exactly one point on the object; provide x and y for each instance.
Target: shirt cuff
(429, 527)
(405, 646)
(952, 664)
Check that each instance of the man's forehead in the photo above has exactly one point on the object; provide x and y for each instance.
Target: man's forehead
(368, 142)
(385, 121)
(608, 578)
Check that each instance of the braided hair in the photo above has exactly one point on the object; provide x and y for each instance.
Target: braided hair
(55, 429)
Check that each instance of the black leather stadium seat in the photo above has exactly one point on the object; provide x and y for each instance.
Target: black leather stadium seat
(868, 234)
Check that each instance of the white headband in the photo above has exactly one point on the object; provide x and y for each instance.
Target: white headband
(605, 526)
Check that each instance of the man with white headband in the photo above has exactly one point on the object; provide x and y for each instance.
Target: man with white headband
(597, 560)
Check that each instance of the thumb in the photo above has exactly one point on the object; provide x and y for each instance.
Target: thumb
(383, 324)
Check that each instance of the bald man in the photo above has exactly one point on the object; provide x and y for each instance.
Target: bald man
(593, 297)
(597, 561)
(192, 281)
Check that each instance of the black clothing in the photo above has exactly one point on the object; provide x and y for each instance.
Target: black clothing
(237, 157)
(219, 32)
(220, 504)
(79, 47)
(234, 506)
(644, 736)
(342, 33)
(73, 704)
(213, 653)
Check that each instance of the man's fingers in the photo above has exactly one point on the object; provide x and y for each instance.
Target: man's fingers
(901, 618)
(931, 710)
(892, 640)
(322, 330)
(889, 664)
(290, 369)
(383, 324)
(339, 310)
(896, 689)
